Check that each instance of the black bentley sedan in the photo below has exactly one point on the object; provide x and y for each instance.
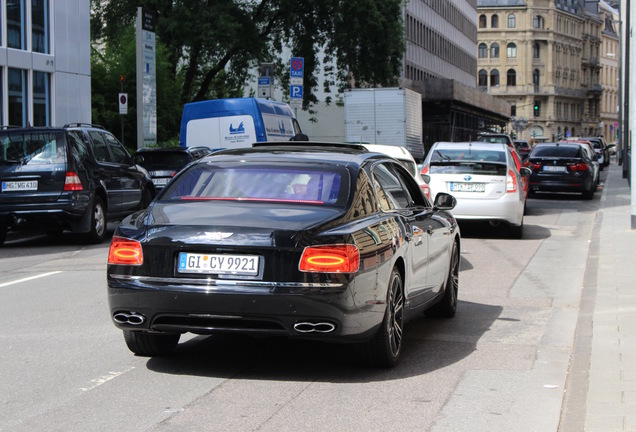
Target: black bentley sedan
(318, 241)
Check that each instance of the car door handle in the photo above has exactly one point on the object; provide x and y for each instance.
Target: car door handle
(417, 233)
(429, 230)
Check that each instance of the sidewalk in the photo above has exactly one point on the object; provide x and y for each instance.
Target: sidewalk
(611, 393)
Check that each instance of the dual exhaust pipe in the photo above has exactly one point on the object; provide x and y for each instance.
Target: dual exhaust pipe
(131, 318)
(314, 327)
(135, 319)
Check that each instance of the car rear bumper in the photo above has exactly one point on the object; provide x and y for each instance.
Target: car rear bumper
(63, 212)
(508, 208)
(300, 311)
(561, 185)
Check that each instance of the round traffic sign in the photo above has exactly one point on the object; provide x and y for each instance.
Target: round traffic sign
(297, 64)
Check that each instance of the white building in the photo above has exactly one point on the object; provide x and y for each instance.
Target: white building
(45, 75)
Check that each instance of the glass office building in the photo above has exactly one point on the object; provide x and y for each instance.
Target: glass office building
(45, 77)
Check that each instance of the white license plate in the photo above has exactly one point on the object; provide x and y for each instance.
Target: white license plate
(19, 185)
(468, 187)
(246, 265)
(160, 181)
(552, 168)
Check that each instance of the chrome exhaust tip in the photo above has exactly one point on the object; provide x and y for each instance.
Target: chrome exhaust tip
(132, 318)
(314, 327)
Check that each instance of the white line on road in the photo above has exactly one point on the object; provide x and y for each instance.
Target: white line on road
(104, 379)
(28, 278)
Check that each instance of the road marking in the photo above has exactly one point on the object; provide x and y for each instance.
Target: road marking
(104, 379)
(28, 278)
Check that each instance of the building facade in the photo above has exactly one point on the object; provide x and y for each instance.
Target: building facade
(543, 57)
(45, 77)
(610, 71)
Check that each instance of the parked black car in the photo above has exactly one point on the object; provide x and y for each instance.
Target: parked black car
(563, 167)
(75, 177)
(163, 163)
(316, 241)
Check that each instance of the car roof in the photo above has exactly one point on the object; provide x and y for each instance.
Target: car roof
(478, 145)
(299, 151)
(398, 152)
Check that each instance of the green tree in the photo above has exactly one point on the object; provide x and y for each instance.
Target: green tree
(112, 61)
(211, 45)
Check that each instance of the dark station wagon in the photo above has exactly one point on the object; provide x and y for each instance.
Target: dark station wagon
(317, 241)
(77, 177)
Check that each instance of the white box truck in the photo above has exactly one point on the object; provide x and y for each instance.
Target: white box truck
(390, 116)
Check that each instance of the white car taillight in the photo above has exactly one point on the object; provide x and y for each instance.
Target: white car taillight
(511, 182)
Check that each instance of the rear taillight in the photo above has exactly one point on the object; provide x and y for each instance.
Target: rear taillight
(342, 258)
(426, 190)
(125, 251)
(534, 166)
(72, 182)
(578, 167)
(424, 170)
(511, 182)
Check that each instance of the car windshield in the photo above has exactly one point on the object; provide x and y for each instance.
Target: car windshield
(468, 161)
(557, 151)
(164, 160)
(32, 148)
(240, 182)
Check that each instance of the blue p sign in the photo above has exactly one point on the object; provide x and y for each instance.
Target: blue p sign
(296, 91)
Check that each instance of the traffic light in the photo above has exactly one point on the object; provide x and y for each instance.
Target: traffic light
(537, 108)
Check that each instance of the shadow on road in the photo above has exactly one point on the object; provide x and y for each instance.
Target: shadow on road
(429, 344)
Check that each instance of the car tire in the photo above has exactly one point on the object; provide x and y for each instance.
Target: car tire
(447, 307)
(588, 195)
(151, 344)
(3, 234)
(385, 348)
(146, 199)
(515, 231)
(98, 222)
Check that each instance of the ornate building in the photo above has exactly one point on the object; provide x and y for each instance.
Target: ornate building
(610, 71)
(542, 56)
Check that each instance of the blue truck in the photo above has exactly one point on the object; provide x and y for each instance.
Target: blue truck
(236, 122)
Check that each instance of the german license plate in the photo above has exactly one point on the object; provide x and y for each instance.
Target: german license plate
(468, 187)
(9, 186)
(160, 181)
(552, 168)
(245, 265)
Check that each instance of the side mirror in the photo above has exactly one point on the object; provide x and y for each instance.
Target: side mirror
(426, 178)
(525, 172)
(444, 201)
(138, 159)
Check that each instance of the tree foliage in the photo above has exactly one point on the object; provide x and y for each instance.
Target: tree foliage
(211, 45)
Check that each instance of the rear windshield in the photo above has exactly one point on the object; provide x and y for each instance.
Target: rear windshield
(468, 161)
(32, 148)
(170, 160)
(240, 182)
(557, 151)
(493, 139)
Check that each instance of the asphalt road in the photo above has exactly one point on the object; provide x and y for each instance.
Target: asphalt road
(500, 365)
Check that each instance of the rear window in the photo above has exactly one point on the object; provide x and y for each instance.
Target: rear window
(557, 151)
(32, 148)
(240, 182)
(154, 161)
(468, 161)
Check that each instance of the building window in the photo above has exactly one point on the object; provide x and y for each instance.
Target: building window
(41, 99)
(513, 110)
(511, 78)
(483, 78)
(539, 22)
(17, 83)
(535, 79)
(494, 50)
(511, 50)
(512, 23)
(494, 21)
(494, 78)
(482, 21)
(16, 24)
(483, 50)
(40, 25)
(536, 50)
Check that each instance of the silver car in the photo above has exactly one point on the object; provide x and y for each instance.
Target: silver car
(484, 179)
